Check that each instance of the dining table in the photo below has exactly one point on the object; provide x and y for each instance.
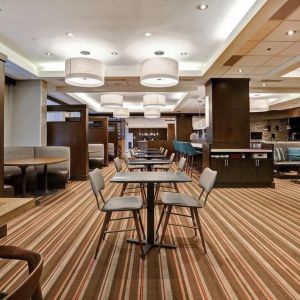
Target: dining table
(24, 163)
(150, 179)
(149, 163)
(150, 156)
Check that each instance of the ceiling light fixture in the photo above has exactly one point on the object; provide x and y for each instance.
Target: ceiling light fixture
(202, 6)
(159, 71)
(147, 34)
(48, 53)
(183, 53)
(111, 100)
(259, 105)
(121, 113)
(84, 72)
(240, 70)
(154, 100)
(152, 113)
(70, 34)
(290, 32)
(114, 53)
(264, 85)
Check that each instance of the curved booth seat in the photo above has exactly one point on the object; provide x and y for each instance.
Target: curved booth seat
(111, 150)
(96, 156)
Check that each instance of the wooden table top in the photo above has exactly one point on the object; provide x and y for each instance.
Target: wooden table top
(150, 162)
(13, 207)
(144, 177)
(34, 161)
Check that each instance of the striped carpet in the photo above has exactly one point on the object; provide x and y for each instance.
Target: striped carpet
(252, 235)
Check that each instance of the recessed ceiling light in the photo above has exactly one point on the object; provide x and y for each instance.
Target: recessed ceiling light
(114, 53)
(183, 53)
(84, 52)
(240, 70)
(269, 49)
(264, 85)
(290, 32)
(202, 6)
(70, 34)
(147, 34)
(48, 53)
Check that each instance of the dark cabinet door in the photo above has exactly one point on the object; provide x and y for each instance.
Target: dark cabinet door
(234, 170)
(249, 170)
(264, 170)
(219, 165)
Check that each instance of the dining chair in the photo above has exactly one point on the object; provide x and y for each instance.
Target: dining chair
(30, 288)
(119, 168)
(117, 204)
(180, 168)
(132, 167)
(171, 199)
(166, 153)
(165, 167)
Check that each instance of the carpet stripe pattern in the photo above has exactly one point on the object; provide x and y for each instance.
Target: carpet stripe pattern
(252, 238)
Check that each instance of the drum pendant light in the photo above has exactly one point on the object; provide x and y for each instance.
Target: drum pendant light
(111, 100)
(154, 100)
(159, 71)
(84, 72)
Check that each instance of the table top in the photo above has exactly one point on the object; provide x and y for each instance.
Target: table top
(288, 163)
(12, 207)
(146, 177)
(34, 161)
(150, 155)
(150, 162)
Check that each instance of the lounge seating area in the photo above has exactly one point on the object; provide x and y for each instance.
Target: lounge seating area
(150, 150)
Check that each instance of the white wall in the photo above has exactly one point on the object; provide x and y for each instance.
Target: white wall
(25, 113)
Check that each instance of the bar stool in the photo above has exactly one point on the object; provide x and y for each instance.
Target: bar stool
(119, 168)
(169, 199)
(117, 204)
(192, 155)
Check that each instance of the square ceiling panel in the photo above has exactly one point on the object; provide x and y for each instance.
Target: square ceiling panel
(277, 60)
(252, 61)
(261, 70)
(269, 48)
(279, 33)
(292, 50)
(295, 16)
(240, 71)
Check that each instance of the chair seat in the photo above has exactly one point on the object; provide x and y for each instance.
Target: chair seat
(123, 204)
(179, 199)
(164, 167)
(132, 167)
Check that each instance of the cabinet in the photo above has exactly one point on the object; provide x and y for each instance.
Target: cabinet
(243, 170)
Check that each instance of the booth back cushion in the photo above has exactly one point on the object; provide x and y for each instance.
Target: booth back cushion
(293, 153)
(11, 153)
(99, 148)
(54, 151)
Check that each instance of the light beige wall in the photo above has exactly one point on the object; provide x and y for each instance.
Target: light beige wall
(25, 113)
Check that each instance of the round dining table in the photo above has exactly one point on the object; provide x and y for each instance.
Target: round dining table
(24, 163)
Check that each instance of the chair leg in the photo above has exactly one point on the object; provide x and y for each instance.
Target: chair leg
(176, 187)
(157, 191)
(160, 219)
(143, 193)
(141, 225)
(168, 213)
(194, 222)
(106, 221)
(137, 226)
(200, 229)
(124, 187)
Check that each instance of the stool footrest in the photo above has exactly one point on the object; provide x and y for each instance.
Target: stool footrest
(112, 231)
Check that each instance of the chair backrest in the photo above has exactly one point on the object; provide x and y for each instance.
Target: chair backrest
(125, 157)
(172, 157)
(166, 153)
(131, 152)
(190, 149)
(162, 150)
(30, 288)
(181, 164)
(118, 164)
(97, 184)
(207, 181)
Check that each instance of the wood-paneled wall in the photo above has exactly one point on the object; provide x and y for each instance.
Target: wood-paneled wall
(74, 135)
(113, 135)
(2, 87)
(184, 128)
(99, 135)
(162, 143)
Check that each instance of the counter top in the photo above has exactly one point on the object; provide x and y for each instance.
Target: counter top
(197, 145)
(241, 150)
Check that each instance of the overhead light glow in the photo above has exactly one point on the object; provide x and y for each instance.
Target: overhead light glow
(290, 32)
(70, 34)
(114, 53)
(48, 53)
(240, 70)
(121, 113)
(202, 6)
(147, 34)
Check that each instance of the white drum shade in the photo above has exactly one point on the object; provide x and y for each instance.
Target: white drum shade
(154, 100)
(159, 72)
(111, 100)
(152, 113)
(84, 72)
(259, 105)
(121, 113)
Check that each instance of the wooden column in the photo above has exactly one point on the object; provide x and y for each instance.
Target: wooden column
(184, 128)
(229, 116)
(2, 91)
(171, 132)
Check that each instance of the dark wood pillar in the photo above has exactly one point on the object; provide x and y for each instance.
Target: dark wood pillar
(184, 128)
(171, 132)
(2, 91)
(229, 115)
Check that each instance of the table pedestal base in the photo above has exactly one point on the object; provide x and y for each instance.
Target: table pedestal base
(149, 246)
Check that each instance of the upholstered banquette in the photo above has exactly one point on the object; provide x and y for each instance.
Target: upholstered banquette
(96, 156)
